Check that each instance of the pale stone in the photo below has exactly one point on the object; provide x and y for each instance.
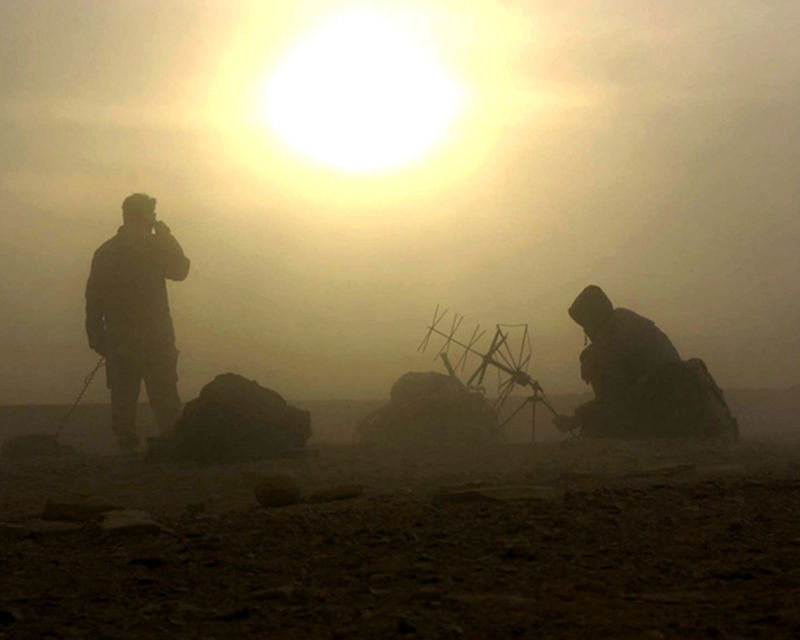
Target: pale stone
(130, 522)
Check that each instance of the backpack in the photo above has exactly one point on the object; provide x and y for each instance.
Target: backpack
(682, 399)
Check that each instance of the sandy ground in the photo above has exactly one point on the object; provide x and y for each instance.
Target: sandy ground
(617, 540)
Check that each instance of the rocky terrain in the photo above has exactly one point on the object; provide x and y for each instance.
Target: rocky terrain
(553, 540)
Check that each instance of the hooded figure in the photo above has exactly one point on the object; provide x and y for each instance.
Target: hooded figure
(642, 387)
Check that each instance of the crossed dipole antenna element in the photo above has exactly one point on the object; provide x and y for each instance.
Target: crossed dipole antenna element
(510, 363)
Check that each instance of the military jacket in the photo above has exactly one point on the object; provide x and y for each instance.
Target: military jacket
(627, 348)
(127, 307)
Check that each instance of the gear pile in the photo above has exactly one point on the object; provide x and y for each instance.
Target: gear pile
(236, 419)
(430, 407)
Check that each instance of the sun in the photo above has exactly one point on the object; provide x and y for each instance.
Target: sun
(361, 94)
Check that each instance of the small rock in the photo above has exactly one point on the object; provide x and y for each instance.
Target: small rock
(195, 508)
(461, 497)
(517, 552)
(275, 593)
(231, 615)
(149, 563)
(522, 492)
(736, 525)
(13, 531)
(277, 491)
(7, 617)
(404, 627)
(740, 574)
(676, 597)
(427, 594)
(490, 600)
(78, 511)
(517, 602)
(130, 522)
(464, 486)
(288, 593)
(343, 492)
(205, 543)
(46, 527)
(296, 454)
(661, 472)
(500, 494)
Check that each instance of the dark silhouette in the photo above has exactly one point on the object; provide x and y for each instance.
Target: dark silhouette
(233, 420)
(433, 407)
(642, 387)
(128, 319)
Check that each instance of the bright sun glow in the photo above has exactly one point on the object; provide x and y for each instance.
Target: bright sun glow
(360, 94)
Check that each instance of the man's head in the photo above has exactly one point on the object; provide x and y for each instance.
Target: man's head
(591, 309)
(139, 211)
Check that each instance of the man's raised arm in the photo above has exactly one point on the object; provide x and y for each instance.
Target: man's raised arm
(175, 263)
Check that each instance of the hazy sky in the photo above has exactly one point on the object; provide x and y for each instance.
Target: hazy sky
(649, 147)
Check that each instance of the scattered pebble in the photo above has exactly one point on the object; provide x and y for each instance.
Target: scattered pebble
(130, 522)
(47, 527)
(78, 511)
(277, 491)
(343, 492)
(7, 617)
(149, 563)
(13, 531)
(499, 494)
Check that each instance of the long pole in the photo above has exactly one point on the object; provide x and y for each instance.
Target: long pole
(86, 382)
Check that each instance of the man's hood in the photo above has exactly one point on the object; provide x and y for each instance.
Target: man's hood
(591, 308)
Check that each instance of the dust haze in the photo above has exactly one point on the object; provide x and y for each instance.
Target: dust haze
(649, 148)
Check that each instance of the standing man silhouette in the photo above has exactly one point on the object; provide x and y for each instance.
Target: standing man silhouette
(128, 318)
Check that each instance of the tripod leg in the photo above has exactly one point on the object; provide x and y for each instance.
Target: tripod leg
(515, 412)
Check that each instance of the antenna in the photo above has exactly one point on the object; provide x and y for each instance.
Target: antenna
(509, 354)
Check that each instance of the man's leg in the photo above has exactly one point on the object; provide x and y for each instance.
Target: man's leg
(124, 380)
(161, 380)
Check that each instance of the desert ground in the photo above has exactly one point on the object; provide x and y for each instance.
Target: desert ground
(559, 538)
